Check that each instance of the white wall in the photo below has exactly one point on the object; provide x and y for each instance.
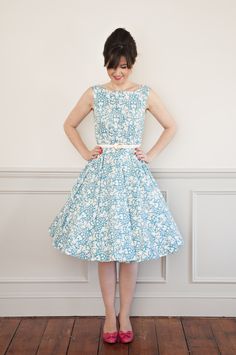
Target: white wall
(51, 52)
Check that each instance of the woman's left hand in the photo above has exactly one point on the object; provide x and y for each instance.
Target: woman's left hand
(141, 155)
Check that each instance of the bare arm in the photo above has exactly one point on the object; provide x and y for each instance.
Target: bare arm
(75, 117)
(159, 111)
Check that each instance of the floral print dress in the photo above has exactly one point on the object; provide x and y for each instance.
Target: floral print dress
(115, 210)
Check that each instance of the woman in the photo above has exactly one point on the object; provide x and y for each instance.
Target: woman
(116, 211)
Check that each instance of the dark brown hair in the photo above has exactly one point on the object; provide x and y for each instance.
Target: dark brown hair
(119, 43)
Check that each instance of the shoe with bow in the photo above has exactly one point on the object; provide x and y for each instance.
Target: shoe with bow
(110, 337)
(125, 336)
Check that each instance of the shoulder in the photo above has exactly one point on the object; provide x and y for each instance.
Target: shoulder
(88, 93)
(87, 97)
(153, 97)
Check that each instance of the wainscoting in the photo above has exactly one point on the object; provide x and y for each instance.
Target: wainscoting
(198, 280)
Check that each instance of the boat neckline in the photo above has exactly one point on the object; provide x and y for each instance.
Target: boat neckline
(140, 87)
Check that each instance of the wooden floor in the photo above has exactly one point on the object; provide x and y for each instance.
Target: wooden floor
(153, 335)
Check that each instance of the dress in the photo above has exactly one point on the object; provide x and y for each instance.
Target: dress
(115, 210)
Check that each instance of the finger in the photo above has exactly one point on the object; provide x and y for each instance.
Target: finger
(96, 152)
(138, 153)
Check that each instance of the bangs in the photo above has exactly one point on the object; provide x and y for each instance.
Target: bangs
(113, 60)
(119, 44)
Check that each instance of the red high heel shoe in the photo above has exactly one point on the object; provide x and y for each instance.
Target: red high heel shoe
(110, 337)
(125, 336)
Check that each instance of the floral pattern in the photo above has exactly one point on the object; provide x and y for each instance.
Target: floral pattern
(115, 210)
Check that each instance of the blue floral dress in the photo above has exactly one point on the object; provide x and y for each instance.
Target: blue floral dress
(115, 210)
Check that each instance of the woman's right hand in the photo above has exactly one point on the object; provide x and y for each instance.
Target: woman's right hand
(94, 153)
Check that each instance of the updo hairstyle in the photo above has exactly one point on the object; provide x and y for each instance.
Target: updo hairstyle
(119, 43)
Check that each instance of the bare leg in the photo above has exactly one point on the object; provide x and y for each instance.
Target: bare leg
(107, 279)
(127, 282)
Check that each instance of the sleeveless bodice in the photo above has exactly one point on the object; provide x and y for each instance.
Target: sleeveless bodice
(119, 115)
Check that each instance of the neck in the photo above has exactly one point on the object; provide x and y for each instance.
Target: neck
(120, 87)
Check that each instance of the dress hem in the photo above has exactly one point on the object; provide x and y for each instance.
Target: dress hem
(63, 251)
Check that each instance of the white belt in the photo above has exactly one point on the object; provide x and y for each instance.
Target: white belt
(118, 145)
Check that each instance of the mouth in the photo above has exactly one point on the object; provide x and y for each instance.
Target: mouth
(117, 77)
